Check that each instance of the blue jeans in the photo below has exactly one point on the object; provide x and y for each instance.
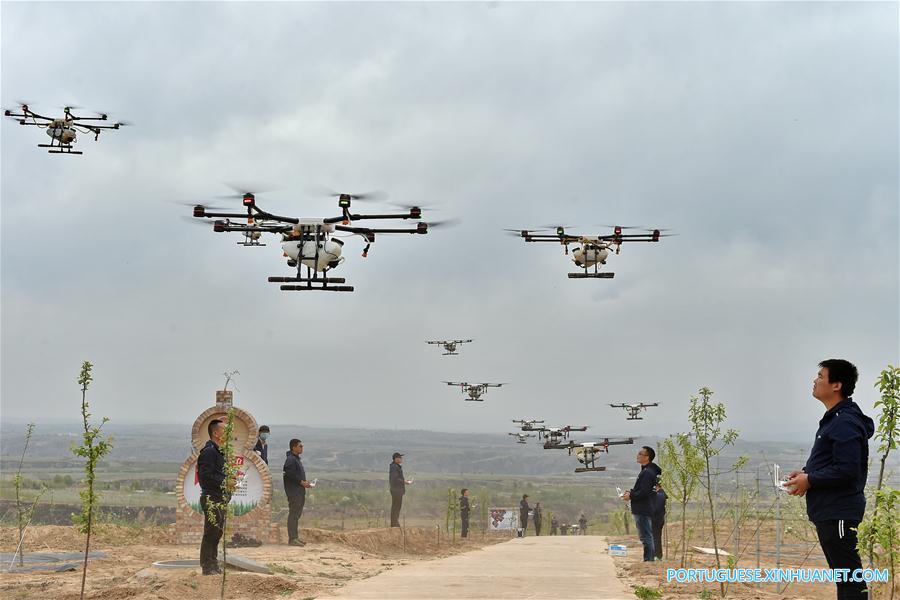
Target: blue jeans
(644, 524)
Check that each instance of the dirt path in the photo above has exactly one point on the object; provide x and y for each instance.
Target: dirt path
(570, 567)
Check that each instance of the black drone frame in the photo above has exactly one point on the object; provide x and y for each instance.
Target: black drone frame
(616, 239)
(469, 388)
(70, 120)
(449, 345)
(286, 226)
(589, 453)
(634, 410)
(553, 437)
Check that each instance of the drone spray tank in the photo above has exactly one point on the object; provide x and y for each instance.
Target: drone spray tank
(310, 246)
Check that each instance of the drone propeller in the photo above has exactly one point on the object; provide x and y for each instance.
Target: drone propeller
(411, 206)
(124, 123)
(444, 223)
(621, 226)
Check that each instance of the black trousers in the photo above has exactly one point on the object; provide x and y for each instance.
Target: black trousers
(838, 540)
(659, 521)
(464, 517)
(213, 526)
(295, 510)
(537, 527)
(396, 505)
(523, 522)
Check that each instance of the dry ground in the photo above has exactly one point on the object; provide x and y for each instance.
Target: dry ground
(329, 560)
(798, 552)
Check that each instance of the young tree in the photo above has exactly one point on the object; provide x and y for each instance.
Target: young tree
(228, 486)
(682, 465)
(24, 512)
(706, 423)
(93, 447)
(880, 533)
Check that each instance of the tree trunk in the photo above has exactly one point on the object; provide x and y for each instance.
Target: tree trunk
(712, 520)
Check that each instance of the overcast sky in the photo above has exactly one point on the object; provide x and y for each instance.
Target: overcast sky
(764, 134)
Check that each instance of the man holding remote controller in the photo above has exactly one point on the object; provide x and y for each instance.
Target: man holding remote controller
(834, 477)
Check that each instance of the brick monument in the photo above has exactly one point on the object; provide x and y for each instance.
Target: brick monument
(251, 502)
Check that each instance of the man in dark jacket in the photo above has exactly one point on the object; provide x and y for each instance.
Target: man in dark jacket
(523, 514)
(659, 520)
(214, 496)
(582, 525)
(834, 478)
(295, 485)
(262, 445)
(554, 525)
(538, 518)
(641, 498)
(464, 508)
(397, 484)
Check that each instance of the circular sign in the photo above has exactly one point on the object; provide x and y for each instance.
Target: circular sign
(248, 493)
(243, 435)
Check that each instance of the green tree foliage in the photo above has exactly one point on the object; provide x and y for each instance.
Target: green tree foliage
(682, 466)
(706, 424)
(879, 535)
(94, 446)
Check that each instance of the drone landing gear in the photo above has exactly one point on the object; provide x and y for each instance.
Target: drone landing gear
(604, 275)
(589, 469)
(313, 284)
(54, 149)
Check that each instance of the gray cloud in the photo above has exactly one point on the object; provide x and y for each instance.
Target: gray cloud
(764, 134)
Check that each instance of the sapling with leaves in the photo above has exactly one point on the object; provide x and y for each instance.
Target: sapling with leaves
(706, 424)
(681, 465)
(879, 535)
(222, 505)
(94, 446)
(24, 512)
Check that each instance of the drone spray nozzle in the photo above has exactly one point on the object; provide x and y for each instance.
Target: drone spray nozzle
(365, 251)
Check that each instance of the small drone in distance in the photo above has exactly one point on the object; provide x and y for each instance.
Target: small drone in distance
(553, 435)
(593, 250)
(521, 437)
(474, 390)
(634, 410)
(63, 130)
(528, 425)
(310, 243)
(449, 345)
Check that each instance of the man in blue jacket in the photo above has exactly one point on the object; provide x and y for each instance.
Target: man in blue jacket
(295, 484)
(642, 497)
(834, 477)
(215, 494)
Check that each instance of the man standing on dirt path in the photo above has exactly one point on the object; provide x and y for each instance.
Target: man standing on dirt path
(464, 508)
(214, 496)
(523, 514)
(641, 498)
(295, 484)
(538, 518)
(834, 478)
(397, 484)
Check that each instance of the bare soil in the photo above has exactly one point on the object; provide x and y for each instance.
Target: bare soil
(329, 560)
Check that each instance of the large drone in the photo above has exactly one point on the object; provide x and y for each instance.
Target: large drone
(449, 345)
(474, 390)
(586, 452)
(310, 243)
(63, 131)
(592, 250)
(634, 410)
(521, 437)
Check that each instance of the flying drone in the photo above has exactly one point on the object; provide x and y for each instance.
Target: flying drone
(634, 410)
(592, 250)
(309, 243)
(63, 131)
(527, 425)
(586, 452)
(474, 390)
(521, 437)
(449, 345)
(554, 434)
